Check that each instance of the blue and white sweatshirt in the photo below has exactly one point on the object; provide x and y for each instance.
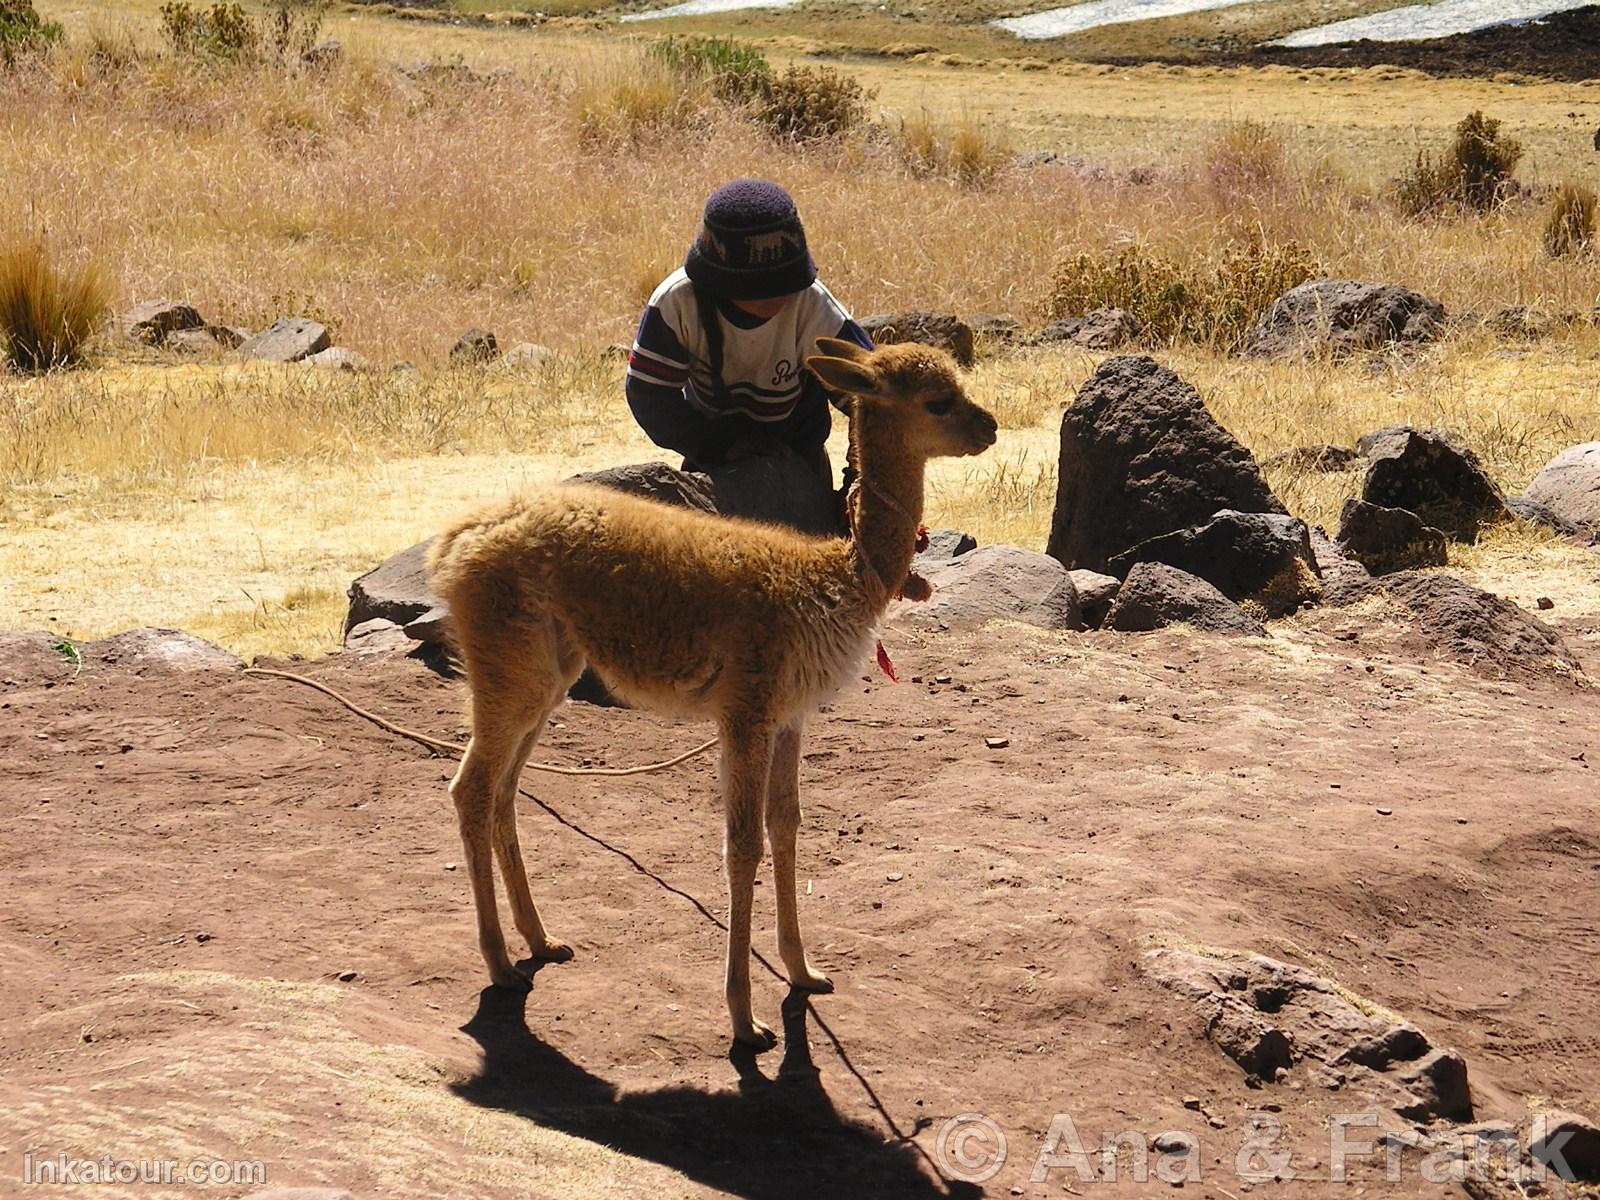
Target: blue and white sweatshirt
(766, 388)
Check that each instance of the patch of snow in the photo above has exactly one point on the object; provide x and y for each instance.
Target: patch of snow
(1415, 21)
(697, 8)
(1058, 22)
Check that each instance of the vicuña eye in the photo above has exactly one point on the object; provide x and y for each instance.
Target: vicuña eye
(940, 407)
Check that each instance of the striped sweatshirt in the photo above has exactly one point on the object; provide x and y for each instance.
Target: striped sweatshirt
(766, 389)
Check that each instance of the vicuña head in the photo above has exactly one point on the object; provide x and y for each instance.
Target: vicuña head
(746, 624)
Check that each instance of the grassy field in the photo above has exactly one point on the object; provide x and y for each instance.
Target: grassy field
(546, 202)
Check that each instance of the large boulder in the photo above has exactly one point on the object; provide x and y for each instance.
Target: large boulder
(396, 590)
(288, 339)
(1155, 595)
(996, 583)
(151, 321)
(1141, 457)
(153, 648)
(1486, 632)
(1569, 486)
(656, 481)
(944, 330)
(1342, 315)
(1385, 540)
(1260, 559)
(1426, 472)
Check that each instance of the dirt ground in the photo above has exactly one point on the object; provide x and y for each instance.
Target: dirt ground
(236, 927)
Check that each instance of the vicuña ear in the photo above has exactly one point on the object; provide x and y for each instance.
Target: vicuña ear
(839, 348)
(843, 375)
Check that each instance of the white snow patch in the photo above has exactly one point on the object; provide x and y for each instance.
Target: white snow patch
(1428, 21)
(1058, 22)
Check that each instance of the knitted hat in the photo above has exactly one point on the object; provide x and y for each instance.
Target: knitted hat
(751, 245)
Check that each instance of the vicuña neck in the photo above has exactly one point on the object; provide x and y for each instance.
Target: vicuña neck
(888, 502)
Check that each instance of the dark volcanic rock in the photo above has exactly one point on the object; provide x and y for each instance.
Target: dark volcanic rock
(1344, 580)
(1389, 539)
(656, 481)
(1155, 595)
(1428, 474)
(1438, 1088)
(1261, 558)
(944, 330)
(475, 346)
(151, 321)
(396, 590)
(1486, 632)
(1102, 329)
(1141, 457)
(1342, 315)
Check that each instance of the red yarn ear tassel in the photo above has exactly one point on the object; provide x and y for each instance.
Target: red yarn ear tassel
(886, 664)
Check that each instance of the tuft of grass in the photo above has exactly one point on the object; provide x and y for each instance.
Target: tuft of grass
(48, 315)
(1569, 229)
(1475, 174)
(972, 153)
(1212, 302)
(809, 104)
(626, 103)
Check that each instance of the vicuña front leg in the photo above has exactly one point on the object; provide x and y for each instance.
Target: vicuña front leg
(746, 762)
(783, 823)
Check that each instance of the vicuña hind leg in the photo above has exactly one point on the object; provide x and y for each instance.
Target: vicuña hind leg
(746, 762)
(473, 790)
(524, 913)
(783, 823)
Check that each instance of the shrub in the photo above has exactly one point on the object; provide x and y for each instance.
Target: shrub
(1473, 175)
(22, 31)
(737, 73)
(46, 316)
(812, 103)
(1570, 226)
(1213, 303)
(225, 31)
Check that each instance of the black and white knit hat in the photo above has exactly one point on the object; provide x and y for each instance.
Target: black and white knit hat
(751, 245)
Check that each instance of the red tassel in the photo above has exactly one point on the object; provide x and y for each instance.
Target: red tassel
(886, 664)
(921, 543)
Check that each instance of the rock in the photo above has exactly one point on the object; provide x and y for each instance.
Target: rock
(1102, 329)
(1485, 632)
(157, 648)
(781, 489)
(335, 358)
(1438, 1087)
(996, 583)
(474, 346)
(657, 481)
(1344, 580)
(194, 342)
(1521, 322)
(1252, 1041)
(1258, 559)
(1140, 457)
(1155, 595)
(432, 627)
(1569, 486)
(230, 336)
(1319, 459)
(323, 55)
(1389, 539)
(527, 354)
(944, 330)
(1535, 513)
(1095, 594)
(1343, 315)
(288, 339)
(995, 329)
(151, 321)
(396, 590)
(946, 544)
(1569, 1145)
(377, 636)
(1429, 474)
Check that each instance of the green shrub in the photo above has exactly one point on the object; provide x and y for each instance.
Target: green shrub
(22, 31)
(1475, 174)
(46, 315)
(738, 73)
(1570, 227)
(812, 103)
(1213, 302)
(226, 32)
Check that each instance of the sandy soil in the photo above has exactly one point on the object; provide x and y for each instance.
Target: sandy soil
(235, 926)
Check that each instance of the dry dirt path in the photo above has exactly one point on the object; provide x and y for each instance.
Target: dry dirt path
(194, 861)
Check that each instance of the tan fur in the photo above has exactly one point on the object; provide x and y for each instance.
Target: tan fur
(688, 614)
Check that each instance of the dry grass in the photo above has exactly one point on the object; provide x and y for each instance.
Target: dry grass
(546, 204)
(1569, 229)
(47, 314)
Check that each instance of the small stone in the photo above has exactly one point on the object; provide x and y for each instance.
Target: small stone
(894, 876)
(1385, 812)
(202, 937)
(997, 743)
(450, 866)
(346, 976)
(1545, 603)
(1192, 1103)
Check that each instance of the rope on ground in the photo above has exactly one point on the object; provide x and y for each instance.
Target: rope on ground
(434, 743)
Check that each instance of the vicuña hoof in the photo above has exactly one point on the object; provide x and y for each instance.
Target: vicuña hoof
(509, 977)
(553, 950)
(759, 1035)
(812, 981)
